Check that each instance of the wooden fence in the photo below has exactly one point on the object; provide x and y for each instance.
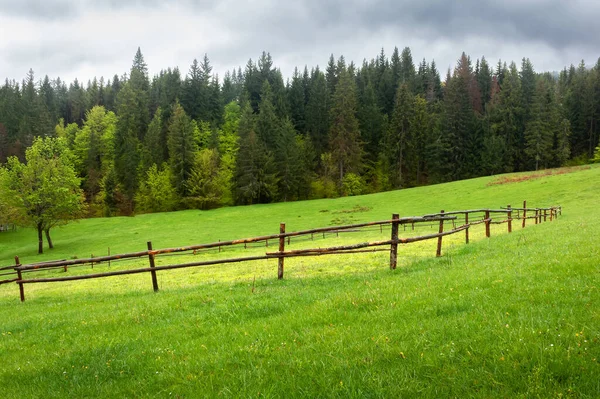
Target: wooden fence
(16, 272)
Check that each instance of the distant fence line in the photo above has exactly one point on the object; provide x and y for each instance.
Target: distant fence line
(538, 214)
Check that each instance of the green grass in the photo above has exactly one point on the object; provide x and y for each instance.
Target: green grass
(513, 316)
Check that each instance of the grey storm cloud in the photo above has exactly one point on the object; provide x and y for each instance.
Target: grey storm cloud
(556, 22)
(554, 33)
(38, 9)
(54, 9)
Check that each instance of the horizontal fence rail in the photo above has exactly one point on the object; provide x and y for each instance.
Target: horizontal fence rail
(470, 217)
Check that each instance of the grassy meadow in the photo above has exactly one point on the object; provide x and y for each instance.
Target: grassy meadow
(516, 315)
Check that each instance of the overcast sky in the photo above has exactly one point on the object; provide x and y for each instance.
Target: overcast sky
(87, 38)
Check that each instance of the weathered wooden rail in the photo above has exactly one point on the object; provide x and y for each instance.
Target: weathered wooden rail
(17, 270)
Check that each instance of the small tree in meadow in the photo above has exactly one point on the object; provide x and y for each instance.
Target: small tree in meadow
(44, 192)
(156, 193)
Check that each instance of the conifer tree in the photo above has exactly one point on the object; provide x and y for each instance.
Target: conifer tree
(371, 122)
(182, 148)
(344, 132)
(317, 112)
(255, 175)
(400, 134)
(193, 99)
(297, 101)
(290, 165)
(538, 133)
(506, 118)
(93, 147)
(267, 123)
(127, 145)
(155, 142)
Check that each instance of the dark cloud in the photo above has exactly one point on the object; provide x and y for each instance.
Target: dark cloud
(76, 38)
(557, 23)
(38, 9)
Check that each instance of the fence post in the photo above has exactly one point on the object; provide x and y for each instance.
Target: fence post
(281, 250)
(524, 213)
(536, 216)
(438, 252)
(394, 246)
(509, 219)
(467, 229)
(487, 223)
(551, 213)
(545, 214)
(152, 272)
(20, 277)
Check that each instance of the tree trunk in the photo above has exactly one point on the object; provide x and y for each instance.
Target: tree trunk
(40, 239)
(47, 231)
(400, 167)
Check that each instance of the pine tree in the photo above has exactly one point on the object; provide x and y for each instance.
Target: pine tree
(418, 157)
(297, 101)
(506, 117)
(538, 133)
(279, 95)
(255, 174)
(331, 75)
(182, 148)
(193, 98)
(138, 76)
(155, 142)
(267, 122)
(407, 70)
(460, 126)
(317, 112)
(484, 81)
(400, 134)
(127, 144)
(288, 158)
(344, 132)
(93, 147)
(371, 122)
(528, 88)
(215, 103)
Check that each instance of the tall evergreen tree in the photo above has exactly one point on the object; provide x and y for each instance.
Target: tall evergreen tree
(400, 134)
(182, 148)
(317, 112)
(290, 165)
(267, 122)
(344, 132)
(407, 70)
(538, 133)
(94, 150)
(484, 81)
(506, 118)
(372, 123)
(193, 97)
(155, 143)
(127, 144)
(297, 101)
(255, 175)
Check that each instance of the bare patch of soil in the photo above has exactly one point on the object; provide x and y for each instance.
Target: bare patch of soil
(536, 175)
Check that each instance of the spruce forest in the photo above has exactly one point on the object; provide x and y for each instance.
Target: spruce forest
(181, 140)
